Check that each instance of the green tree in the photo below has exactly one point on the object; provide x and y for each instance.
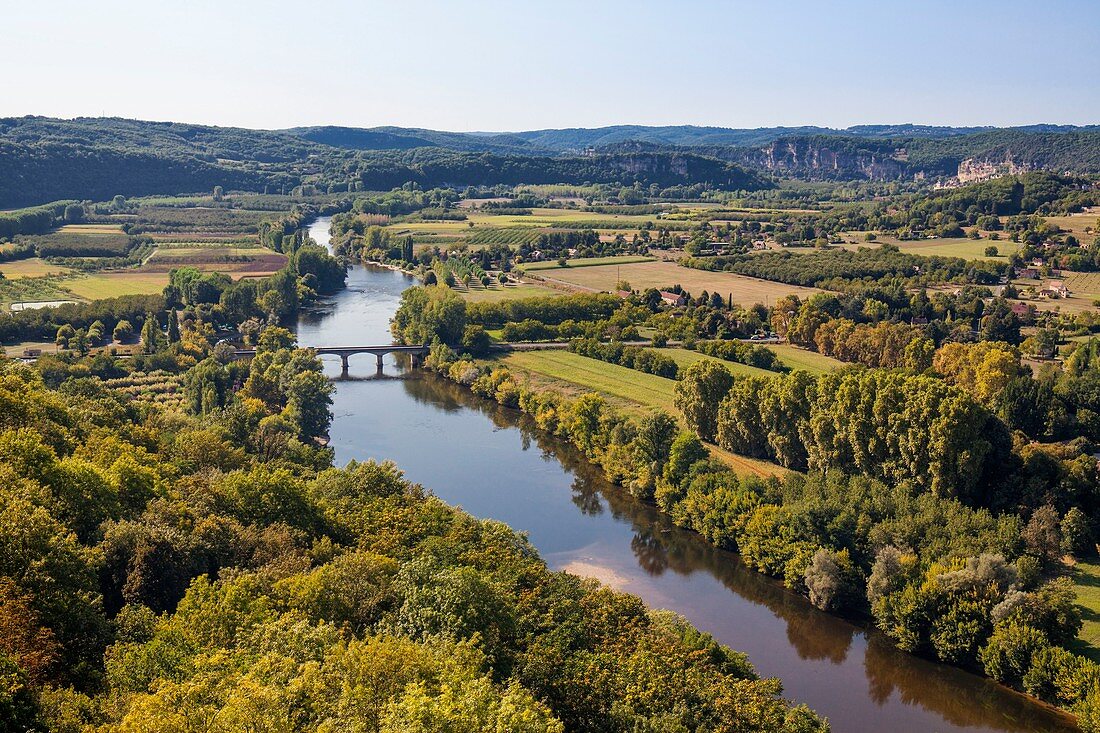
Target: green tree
(700, 390)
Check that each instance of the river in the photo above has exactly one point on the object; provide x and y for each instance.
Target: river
(494, 464)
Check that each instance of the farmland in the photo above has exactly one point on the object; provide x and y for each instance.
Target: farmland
(1084, 288)
(745, 290)
(588, 262)
(968, 249)
(31, 267)
(493, 293)
(103, 261)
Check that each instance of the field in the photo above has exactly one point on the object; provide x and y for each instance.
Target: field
(745, 290)
(809, 361)
(1084, 288)
(587, 262)
(628, 389)
(30, 267)
(113, 284)
(237, 261)
(480, 228)
(1086, 577)
(968, 249)
(1084, 226)
(640, 389)
(685, 358)
(494, 293)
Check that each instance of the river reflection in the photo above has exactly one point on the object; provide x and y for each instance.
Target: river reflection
(495, 464)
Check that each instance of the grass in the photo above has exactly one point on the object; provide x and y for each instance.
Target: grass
(627, 389)
(1086, 578)
(661, 274)
(1084, 288)
(113, 284)
(495, 293)
(1084, 226)
(587, 262)
(809, 361)
(685, 358)
(643, 390)
(30, 267)
(968, 249)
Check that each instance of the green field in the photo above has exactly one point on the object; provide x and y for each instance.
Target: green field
(113, 284)
(685, 358)
(1086, 577)
(809, 361)
(587, 262)
(628, 389)
(968, 249)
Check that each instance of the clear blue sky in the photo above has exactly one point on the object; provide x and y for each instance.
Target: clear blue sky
(567, 63)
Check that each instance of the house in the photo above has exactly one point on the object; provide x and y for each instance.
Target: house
(1028, 273)
(673, 299)
(1022, 310)
(1054, 289)
(29, 353)
(918, 321)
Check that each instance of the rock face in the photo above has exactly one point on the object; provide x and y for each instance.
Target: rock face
(973, 170)
(830, 158)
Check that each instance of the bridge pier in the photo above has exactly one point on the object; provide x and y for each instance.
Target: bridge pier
(380, 357)
(343, 365)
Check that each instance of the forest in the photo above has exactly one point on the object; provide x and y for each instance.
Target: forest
(211, 568)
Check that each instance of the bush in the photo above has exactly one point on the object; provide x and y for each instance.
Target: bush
(1007, 656)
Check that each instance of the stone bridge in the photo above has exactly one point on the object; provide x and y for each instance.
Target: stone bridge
(346, 352)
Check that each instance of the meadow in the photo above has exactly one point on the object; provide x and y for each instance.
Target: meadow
(968, 249)
(31, 267)
(633, 391)
(1084, 226)
(587, 262)
(1086, 580)
(746, 291)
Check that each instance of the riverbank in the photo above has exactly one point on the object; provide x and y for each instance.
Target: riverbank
(498, 463)
(596, 429)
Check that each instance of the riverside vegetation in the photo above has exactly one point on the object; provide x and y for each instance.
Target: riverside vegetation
(919, 497)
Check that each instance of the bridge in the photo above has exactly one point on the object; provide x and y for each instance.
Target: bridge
(346, 352)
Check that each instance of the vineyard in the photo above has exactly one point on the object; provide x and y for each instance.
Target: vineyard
(159, 388)
(514, 236)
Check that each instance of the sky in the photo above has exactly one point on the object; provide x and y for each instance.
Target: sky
(529, 64)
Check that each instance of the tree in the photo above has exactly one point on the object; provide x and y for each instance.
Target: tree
(173, 326)
(830, 579)
(65, 334)
(152, 338)
(219, 194)
(1043, 535)
(1000, 323)
(427, 314)
(698, 394)
(1077, 535)
(124, 331)
(74, 214)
